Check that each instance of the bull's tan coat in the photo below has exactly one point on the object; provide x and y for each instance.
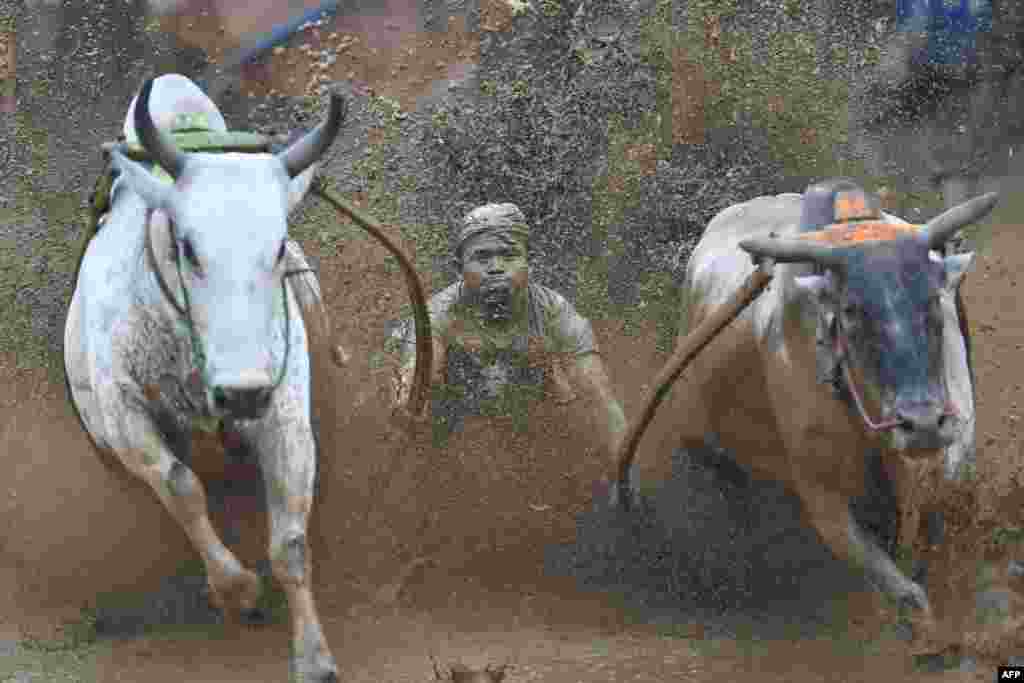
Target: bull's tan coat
(755, 390)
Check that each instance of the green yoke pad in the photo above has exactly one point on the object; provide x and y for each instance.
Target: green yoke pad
(188, 140)
(190, 135)
(207, 141)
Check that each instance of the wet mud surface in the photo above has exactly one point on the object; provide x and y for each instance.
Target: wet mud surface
(719, 577)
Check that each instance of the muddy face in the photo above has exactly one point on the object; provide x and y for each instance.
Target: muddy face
(495, 273)
(888, 326)
(880, 307)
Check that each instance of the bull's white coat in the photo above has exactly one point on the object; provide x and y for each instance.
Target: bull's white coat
(124, 342)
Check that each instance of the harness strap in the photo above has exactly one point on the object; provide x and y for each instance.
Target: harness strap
(839, 348)
(185, 310)
(188, 140)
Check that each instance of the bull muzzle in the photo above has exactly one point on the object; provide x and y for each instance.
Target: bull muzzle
(923, 427)
(244, 397)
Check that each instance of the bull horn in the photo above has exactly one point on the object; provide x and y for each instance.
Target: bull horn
(942, 227)
(307, 149)
(157, 144)
(793, 251)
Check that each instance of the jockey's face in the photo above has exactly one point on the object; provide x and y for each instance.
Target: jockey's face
(495, 273)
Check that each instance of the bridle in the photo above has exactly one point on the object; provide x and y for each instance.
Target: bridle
(845, 381)
(185, 310)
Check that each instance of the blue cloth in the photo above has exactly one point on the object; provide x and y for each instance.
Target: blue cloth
(952, 27)
(279, 35)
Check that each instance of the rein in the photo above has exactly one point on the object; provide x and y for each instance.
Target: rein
(841, 351)
(254, 143)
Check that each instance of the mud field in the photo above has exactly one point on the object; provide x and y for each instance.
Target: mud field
(518, 566)
(491, 549)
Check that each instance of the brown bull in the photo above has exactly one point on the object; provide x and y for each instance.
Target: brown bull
(858, 343)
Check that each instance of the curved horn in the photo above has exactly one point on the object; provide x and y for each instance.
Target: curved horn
(308, 148)
(942, 227)
(159, 145)
(793, 251)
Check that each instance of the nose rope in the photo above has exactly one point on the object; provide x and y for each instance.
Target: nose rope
(185, 311)
(841, 355)
(871, 424)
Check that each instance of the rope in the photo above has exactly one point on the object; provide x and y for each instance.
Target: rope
(686, 350)
(424, 340)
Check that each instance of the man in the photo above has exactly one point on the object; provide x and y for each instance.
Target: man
(496, 332)
(950, 80)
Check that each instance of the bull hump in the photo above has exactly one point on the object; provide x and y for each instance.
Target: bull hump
(856, 233)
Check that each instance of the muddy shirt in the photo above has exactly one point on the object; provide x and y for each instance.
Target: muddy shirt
(484, 364)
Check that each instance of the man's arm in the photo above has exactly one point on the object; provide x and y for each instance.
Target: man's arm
(437, 309)
(587, 374)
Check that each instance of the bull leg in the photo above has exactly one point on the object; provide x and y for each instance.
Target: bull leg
(830, 515)
(287, 456)
(181, 493)
(915, 482)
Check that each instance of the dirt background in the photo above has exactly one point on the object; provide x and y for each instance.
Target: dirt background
(722, 579)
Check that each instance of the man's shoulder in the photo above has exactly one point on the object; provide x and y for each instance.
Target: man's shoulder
(560, 323)
(439, 308)
(443, 304)
(447, 296)
(551, 301)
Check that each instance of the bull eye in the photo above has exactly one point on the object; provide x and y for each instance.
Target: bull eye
(190, 253)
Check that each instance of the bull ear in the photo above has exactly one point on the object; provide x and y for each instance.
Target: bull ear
(956, 267)
(300, 185)
(156, 193)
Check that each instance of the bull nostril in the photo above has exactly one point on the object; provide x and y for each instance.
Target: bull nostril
(922, 423)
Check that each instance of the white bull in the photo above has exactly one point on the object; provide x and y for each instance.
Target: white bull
(857, 343)
(183, 316)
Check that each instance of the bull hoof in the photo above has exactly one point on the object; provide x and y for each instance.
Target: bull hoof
(922, 630)
(238, 592)
(915, 600)
(941, 662)
(328, 677)
(322, 671)
(620, 497)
